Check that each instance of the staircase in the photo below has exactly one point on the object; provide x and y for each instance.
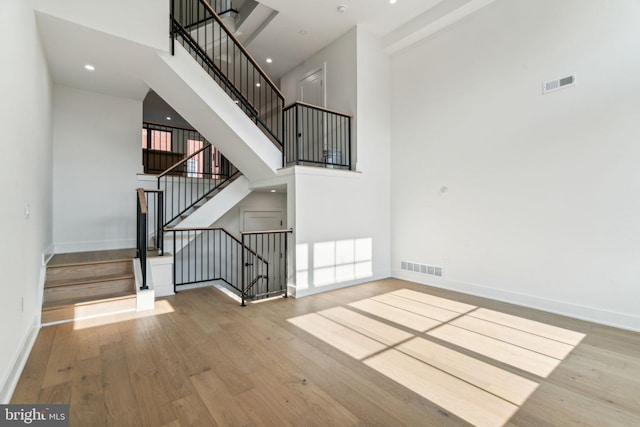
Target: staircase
(88, 284)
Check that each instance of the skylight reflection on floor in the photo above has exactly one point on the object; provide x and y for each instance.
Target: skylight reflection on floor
(474, 390)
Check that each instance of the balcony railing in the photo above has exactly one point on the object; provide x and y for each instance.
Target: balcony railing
(196, 26)
(316, 136)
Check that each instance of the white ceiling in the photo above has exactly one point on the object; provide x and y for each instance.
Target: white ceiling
(120, 64)
(323, 23)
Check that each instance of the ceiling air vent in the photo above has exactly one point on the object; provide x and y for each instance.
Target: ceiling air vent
(561, 83)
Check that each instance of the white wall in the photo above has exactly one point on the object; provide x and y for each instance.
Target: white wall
(25, 149)
(143, 21)
(543, 195)
(96, 156)
(342, 219)
(339, 62)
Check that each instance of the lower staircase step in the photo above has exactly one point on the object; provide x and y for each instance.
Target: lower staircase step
(71, 309)
(90, 288)
(88, 284)
(56, 283)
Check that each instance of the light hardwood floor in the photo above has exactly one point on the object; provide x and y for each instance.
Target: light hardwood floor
(387, 353)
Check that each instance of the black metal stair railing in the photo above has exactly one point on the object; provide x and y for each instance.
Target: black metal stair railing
(163, 146)
(316, 136)
(258, 281)
(149, 232)
(193, 180)
(222, 6)
(196, 26)
(210, 254)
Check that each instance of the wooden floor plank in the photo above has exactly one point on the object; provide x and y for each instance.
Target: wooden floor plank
(501, 383)
(537, 343)
(119, 398)
(396, 315)
(61, 360)
(533, 327)
(87, 394)
(468, 402)
(501, 351)
(32, 377)
(201, 359)
(435, 301)
(366, 326)
(344, 339)
(417, 307)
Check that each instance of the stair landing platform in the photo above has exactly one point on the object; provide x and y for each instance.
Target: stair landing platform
(89, 284)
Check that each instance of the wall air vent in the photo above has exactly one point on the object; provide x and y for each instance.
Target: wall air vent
(421, 268)
(561, 83)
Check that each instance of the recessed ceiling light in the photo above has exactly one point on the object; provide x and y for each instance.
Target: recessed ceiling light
(303, 32)
(392, 1)
(257, 84)
(89, 67)
(168, 118)
(273, 191)
(269, 60)
(342, 8)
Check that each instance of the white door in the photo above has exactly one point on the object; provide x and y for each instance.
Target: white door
(311, 89)
(262, 220)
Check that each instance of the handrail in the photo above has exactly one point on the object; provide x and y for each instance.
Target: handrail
(171, 229)
(164, 125)
(142, 201)
(229, 63)
(182, 161)
(247, 103)
(290, 230)
(141, 235)
(317, 136)
(316, 107)
(242, 48)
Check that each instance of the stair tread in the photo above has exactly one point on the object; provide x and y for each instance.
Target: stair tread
(96, 257)
(55, 283)
(87, 300)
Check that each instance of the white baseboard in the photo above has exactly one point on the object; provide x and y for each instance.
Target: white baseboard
(564, 308)
(105, 245)
(9, 382)
(48, 254)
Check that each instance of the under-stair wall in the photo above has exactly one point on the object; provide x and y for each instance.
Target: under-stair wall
(182, 82)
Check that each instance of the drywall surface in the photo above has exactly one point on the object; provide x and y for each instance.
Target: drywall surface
(96, 158)
(143, 21)
(184, 84)
(521, 196)
(339, 63)
(342, 219)
(339, 238)
(25, 108)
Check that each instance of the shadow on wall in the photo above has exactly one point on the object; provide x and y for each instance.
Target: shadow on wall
(323, 264)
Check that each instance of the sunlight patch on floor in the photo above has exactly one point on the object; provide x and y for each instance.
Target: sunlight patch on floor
(472, 389)
(162, 306)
